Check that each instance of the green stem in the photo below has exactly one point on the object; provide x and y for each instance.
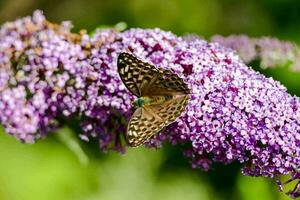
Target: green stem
(68, 138)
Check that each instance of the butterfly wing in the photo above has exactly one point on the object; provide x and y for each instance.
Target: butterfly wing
(149, 120)
(143, 79)
(135, 74)
(166, 82)
(170, 110)
(143, 124)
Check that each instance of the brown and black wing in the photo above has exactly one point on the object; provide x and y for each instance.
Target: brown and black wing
(135, 74)
(170, 110)
(166, 83)
(143, 125)
(143, 79)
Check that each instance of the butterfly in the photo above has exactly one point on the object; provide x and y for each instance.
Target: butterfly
(161, 97)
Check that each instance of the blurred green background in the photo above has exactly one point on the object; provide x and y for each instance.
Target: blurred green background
(50, 170)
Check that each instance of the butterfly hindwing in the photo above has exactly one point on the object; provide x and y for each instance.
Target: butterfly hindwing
(171, 81)
(170, 110)
(166, 83)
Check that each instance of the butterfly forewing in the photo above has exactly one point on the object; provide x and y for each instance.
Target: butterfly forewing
(135, 74)
(142, 126)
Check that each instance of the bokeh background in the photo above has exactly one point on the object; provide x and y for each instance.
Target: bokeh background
(56, 169)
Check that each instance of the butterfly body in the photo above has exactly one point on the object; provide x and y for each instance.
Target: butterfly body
(141, 101)
(151, 100)
(161, 97)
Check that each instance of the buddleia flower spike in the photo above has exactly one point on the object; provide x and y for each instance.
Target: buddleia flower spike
(161, 97)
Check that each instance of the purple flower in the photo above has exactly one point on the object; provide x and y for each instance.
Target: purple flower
(38, 62)
(244, 46)
(270, 51)
(234, 114)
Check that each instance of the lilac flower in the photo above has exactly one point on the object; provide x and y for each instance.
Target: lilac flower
(234, 114)
(37, 61)
(270, 51)
(245, 46)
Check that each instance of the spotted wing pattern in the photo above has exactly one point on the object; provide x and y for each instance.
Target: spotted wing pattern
(170, 110)
(142, 126)
(149, 120)
(135, 74)
(143, 79)
(166, 83)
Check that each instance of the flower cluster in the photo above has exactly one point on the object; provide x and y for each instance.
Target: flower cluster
(45, 75)
(270, 51)
(234, 113)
